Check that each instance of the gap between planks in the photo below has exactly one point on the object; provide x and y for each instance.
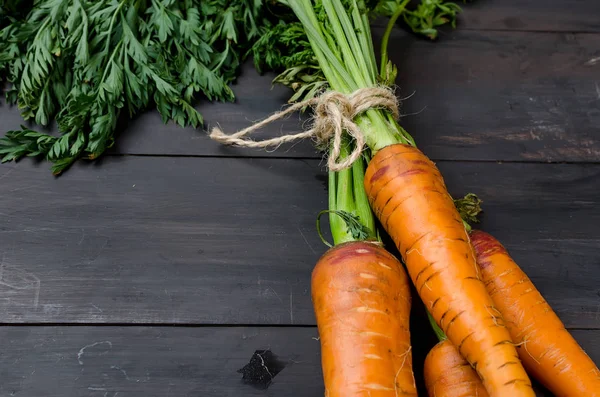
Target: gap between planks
(183, 325)
(304, 158)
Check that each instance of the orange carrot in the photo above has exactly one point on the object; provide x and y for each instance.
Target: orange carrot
(361, 298)
(409, 196)
(548, 351)
(448, 374)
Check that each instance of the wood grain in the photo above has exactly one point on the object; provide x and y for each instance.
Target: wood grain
(142, 361)
(167, 361)
(502, 96)
(531, 15)
(233, 241)
(160, 240)
(507, 96)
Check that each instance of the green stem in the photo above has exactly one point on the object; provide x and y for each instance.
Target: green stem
(437, 330)
(328, 56)
(41, 29)
(344, 198)
(111, 25)
(361, 201)
(386, 36)
(84, 18)
(348, 199)
(339, 65)
(366, 41)
(344, 51)
(468, 227)
(223, 58)
(110, 60)
(337, 16)
(323, 239)
(332, 189)
(381, 130)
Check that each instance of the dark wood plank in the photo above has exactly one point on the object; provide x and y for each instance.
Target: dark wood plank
(179, 240)
(478, 96)
(224, 241)
(502, 96)
(141, 361)
(531, 15)
(159, 361)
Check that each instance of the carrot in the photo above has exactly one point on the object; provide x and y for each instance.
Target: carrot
(548, 351)
(448, 374)
(361, 299)
(409, 196)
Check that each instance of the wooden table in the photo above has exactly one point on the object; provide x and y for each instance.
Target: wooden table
(165, 267)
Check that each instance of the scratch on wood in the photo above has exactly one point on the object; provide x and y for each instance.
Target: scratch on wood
(7, 173)
(534, 136)
(306, 241)
(82, 237)
(276, 295)
(122, 371)
(592, 61)
(101, 250)
(82, 350)
(24, 188)
(17, 279)
(116, 367)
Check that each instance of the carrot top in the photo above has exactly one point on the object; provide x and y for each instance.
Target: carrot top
(350, 215)
(343, 46)
(340, 36)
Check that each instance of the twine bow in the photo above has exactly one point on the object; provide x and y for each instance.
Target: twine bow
(334, 114)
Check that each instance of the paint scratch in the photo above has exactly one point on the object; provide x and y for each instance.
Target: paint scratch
(7, 173)
(20, 280)
(82, 350)
(100, 251)
(115, 367)
(306, 241)
(275, 293)
(592, 61)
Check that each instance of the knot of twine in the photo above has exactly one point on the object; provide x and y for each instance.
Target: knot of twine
(334, 113)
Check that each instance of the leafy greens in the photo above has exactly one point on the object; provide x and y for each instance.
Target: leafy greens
(80, 63)
(285, 48)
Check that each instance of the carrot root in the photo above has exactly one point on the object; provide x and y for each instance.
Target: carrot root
(409, 196)
(548, 351)
(448, 374)
(361, 297)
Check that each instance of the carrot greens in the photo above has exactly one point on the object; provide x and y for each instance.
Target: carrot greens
(83, 63)
(328, 45)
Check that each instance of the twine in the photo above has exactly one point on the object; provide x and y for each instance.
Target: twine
(334, 114)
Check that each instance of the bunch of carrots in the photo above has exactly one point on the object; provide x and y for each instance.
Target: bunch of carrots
(495, 328)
